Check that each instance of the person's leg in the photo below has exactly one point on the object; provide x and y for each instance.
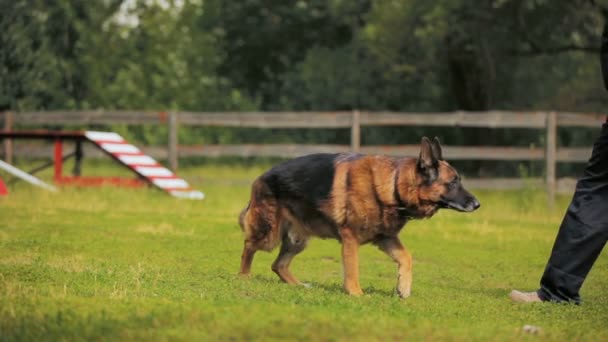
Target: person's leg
(576, 248)
(582, 234)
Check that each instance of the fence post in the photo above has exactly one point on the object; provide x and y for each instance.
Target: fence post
(8, 143)
(550, 156)
(172, 148)
(355, 132)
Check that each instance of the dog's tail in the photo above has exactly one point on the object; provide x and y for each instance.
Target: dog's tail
(242, 216)
(260, 221)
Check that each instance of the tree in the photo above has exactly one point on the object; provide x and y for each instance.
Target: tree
(29, 77)
(262, 40)
(43, 48)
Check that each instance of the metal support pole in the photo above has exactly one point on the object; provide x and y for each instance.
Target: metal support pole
(77, 159)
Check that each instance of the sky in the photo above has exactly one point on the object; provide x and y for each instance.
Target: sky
(126, 17)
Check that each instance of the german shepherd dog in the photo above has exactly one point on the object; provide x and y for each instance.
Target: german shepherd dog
(353, 198)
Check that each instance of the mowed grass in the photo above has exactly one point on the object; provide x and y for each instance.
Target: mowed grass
(119, 264)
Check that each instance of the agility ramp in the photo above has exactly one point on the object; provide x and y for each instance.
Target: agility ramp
(145, 167)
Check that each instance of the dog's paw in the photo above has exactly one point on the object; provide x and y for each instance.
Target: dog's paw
(306, 285)
(354, 292)
(404, 293)
(244, 276)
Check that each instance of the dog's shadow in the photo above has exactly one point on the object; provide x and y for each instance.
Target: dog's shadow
(498, 293)
(328, 288)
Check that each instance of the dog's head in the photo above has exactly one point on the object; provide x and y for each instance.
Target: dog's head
(439, 183)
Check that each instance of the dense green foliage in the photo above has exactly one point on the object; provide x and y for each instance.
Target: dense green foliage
(216, 55)
(115, 264)
(205, 55)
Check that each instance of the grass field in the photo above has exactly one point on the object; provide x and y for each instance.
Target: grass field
(112, 264)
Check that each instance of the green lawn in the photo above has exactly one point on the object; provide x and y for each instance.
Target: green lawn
(114, 264)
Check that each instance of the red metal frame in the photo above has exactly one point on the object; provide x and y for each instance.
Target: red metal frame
(100, 181)
(3, 188)
(58, 158)
(58, 137)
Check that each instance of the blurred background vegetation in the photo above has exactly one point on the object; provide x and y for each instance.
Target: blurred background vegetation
(270, 55)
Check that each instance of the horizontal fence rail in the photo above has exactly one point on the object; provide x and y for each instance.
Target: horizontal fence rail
(294, 150)
(490, 119)
(543, 121)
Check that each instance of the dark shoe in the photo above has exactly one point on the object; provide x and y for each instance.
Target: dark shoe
(525, 297)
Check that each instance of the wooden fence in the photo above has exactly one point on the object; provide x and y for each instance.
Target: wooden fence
(546, 122)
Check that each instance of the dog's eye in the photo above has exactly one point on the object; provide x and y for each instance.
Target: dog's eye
(453, 184)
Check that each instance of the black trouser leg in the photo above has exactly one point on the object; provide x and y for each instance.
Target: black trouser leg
(583, 232)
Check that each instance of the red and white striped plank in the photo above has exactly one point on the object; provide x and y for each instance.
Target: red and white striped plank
(145, 166)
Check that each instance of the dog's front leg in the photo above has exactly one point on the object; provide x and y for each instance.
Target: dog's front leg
(350, 261)
(403, 258)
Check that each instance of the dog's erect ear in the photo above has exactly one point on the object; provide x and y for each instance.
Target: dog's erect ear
(427, 163)
(436, 146)
(427, 158)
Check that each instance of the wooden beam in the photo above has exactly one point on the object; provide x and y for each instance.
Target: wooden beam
(293, 150)
(577, 155)
(355, 133)
(90, 118)
(269, 120)
(502, 183)
(336, 119)
(461, 152)
(172, 153)
(8, 143)
(580, 120)
(563, 185)
(550, 156)
(492, 119)
(254, 150)
(573, 154)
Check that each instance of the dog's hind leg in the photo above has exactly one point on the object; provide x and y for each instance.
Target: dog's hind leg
(260, 234)
(248, 250)
(292, 245)
(350, 261)
(393, 247)
(261, 224)
(247, 258)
